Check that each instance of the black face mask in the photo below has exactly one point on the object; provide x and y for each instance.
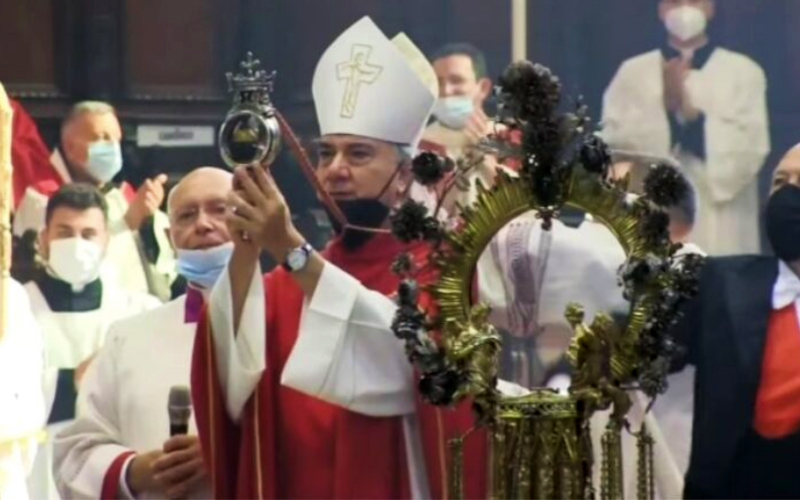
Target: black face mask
(362, 212)
(783, 222)
(365, 212)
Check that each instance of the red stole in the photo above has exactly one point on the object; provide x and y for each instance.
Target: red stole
(289, 445)
(777, 412)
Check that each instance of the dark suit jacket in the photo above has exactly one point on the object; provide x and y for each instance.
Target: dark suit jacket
(724, 330)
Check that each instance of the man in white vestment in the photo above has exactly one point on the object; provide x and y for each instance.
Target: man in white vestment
(706, 106)
(90, 151)
(464, 85)
(73, 306)
(120, 442)
(22, 406)
(460, 121)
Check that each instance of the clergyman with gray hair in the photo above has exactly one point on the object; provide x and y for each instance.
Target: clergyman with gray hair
(139, 255)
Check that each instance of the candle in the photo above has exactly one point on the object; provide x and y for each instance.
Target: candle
(6, 200)
(519, 30)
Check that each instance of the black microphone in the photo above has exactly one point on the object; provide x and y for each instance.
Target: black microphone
(179, 408)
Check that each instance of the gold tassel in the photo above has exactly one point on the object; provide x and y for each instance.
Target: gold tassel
(645, 481)
(611, 473)
(456, 446)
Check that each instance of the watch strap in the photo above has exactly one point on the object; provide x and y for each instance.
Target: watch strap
(306, 248)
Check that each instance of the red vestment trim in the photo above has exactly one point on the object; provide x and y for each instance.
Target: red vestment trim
(113, 477)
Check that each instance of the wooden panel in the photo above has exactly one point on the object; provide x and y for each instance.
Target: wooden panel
(309, 26)
(291, 36)
(174, 48)
(27, 44)
(487, 25)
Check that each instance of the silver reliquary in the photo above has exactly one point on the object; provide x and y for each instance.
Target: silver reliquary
(251, 132)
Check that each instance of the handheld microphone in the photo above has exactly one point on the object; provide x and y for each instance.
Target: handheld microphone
(179, 407)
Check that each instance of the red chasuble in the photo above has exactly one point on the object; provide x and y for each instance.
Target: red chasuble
(30, 158)
(289, 445)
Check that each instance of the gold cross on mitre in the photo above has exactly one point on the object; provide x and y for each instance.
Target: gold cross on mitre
(356, 71)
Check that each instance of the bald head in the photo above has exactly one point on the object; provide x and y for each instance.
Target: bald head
(197, 208)
(201, 177)
(788, 171)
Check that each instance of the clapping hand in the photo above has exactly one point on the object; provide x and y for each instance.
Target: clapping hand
(676, 99)
(148, 199)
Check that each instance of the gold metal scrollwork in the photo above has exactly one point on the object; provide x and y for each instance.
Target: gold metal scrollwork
(541, 446)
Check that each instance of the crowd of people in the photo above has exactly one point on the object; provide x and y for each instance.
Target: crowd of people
(300, 388)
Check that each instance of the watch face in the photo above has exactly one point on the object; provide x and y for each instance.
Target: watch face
(296, 259)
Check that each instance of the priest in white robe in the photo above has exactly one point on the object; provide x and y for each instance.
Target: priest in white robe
(120, 442)
(90, 151)
(705, 105)
(460, 122)
(73, 306)
(22, 417)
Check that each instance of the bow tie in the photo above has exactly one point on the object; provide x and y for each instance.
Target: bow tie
(786, 290)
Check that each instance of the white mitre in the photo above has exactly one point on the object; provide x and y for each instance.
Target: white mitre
(370, 86)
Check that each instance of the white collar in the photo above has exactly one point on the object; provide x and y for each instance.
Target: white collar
(786, 289)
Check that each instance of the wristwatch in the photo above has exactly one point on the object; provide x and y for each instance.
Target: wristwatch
(298, 258)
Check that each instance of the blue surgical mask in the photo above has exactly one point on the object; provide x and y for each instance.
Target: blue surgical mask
(203, 267)
(454, 111)
(105, 160)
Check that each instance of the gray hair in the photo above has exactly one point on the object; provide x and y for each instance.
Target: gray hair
(88, 107)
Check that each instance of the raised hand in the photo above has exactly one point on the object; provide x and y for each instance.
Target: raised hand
(675, 72)
(147, 201)
(478, 126)
(260, 212)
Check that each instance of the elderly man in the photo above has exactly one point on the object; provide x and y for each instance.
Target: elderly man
(73, 305)
(120, 442)
(90, 152)
(744, 326)
(706, 106)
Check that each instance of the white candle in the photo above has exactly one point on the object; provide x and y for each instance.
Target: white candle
(519, 30)
(6, 201)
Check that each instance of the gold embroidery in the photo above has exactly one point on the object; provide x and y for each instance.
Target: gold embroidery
(356, 71)
(259, 478)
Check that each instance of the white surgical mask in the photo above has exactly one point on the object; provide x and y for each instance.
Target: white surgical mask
(76, 261)
(203, 267)
(686, 22)
(105, 160)
(454, 111)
